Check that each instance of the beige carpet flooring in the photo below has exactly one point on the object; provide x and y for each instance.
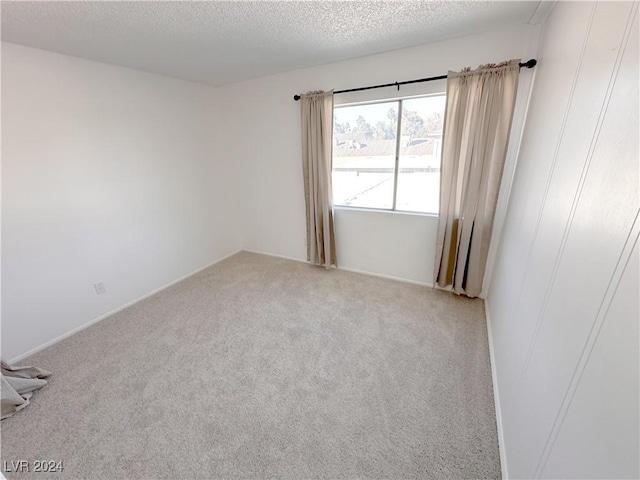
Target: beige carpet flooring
(260, 367)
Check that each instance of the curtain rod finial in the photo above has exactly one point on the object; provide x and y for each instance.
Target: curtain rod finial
(530, 64)
(296, 97)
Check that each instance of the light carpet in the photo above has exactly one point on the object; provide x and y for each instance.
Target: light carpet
(260, 367)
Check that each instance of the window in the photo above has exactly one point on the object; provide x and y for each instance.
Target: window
(386, 155)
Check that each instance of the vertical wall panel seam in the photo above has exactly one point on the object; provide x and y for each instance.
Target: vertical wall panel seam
(596, 328)
(546, 192)
(607, 298)
(574, 206)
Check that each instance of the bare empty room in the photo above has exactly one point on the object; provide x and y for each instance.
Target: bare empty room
(320, 240)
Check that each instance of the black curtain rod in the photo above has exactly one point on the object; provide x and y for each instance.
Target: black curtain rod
(530, 64)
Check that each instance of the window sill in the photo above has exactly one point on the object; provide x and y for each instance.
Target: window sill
(383, 210)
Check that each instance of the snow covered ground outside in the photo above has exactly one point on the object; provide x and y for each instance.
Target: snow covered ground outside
(368, 182)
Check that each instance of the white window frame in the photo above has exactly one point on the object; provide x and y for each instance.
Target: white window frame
(399, 100)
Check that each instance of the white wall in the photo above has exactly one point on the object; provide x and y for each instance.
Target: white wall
(264, 129)
(108, 174)
(563, 304)
(133, 179)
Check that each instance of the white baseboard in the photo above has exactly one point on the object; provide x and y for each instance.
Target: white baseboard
(275, 255)
(184, 277)
(388, 277)
(347, 269)
(496, 397)
(116, 310)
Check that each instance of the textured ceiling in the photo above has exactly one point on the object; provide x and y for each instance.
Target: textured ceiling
(219, 42)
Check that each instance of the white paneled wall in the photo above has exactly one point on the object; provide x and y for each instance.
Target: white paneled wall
(570, 228)
(598, 436)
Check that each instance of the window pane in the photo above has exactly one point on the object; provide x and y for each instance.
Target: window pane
(420, 149)
(364, 152)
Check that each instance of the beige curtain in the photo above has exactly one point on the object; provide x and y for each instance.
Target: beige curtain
(317, 130)
(476, 132)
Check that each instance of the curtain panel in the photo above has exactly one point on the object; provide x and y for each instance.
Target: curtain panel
(317, 130)
(477, 124)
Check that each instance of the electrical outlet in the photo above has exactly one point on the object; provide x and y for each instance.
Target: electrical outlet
(100, 288)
